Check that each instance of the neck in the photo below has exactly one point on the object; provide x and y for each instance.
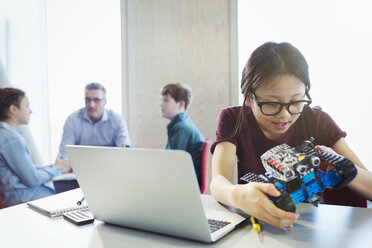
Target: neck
(11, 122)
(176, 115)
(275, 137)
(96, 120)
(271, 136)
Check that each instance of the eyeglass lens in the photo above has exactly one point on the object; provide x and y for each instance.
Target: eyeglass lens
(95, 100)
(275, 108)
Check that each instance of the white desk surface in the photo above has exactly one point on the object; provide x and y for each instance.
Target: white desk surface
(324, 226)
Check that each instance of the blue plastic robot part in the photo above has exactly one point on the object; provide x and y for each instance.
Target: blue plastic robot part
(296, 174)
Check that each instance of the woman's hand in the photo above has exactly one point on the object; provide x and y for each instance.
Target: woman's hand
(326, 149)
(63, 163)
(252, 198)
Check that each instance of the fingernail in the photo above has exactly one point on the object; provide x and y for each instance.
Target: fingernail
(286, 228)
(295, 216)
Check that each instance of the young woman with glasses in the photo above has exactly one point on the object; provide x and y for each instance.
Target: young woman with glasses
(275, 84)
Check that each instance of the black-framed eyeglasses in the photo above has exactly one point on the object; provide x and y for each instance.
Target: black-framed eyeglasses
(95, 100)
(274, 108)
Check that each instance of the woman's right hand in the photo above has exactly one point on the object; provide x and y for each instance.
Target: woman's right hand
(63, 164)
(252, 198)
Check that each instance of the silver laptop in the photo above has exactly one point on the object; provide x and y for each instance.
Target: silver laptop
(148, 189)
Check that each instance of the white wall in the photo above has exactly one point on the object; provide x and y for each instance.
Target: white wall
(168, 41)
(23, 55)
(84, 45)
(52, 49)
(335, 37)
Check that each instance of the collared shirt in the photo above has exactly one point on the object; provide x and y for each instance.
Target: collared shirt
(184, 135)
(20, 179)
(79, 129)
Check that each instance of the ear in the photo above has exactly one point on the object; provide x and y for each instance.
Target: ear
(12, 109)
(248, 101)
(181, 104)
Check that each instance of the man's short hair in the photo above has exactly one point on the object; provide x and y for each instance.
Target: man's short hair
(9, 96)
(96, 86)
(178, 92)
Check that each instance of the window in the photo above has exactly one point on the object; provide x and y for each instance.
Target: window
(84, 45)
(335, 37)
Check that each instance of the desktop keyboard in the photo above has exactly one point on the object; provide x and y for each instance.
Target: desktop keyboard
(214, 225)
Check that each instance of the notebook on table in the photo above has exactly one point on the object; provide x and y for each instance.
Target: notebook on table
(147, 189)
(57, 205)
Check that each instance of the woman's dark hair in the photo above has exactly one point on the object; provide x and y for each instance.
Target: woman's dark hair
(9, 96)
(178, 92)
(266, 62)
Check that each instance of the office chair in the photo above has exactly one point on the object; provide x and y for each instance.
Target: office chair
(1, 204)
(204, 166)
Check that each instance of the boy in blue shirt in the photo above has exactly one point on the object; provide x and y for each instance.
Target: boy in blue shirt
(182, 132)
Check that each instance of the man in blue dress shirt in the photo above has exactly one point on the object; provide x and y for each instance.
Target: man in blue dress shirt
(182, 132)
(95, 125)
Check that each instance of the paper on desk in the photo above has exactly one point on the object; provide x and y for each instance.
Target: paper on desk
(58, 204)
(66, 176)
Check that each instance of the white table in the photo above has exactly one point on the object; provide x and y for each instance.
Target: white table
(324, 226)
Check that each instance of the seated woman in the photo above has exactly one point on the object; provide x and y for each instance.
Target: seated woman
(275, 84)
(20, 179)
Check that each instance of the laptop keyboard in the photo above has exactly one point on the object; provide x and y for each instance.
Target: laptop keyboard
(214, 225)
